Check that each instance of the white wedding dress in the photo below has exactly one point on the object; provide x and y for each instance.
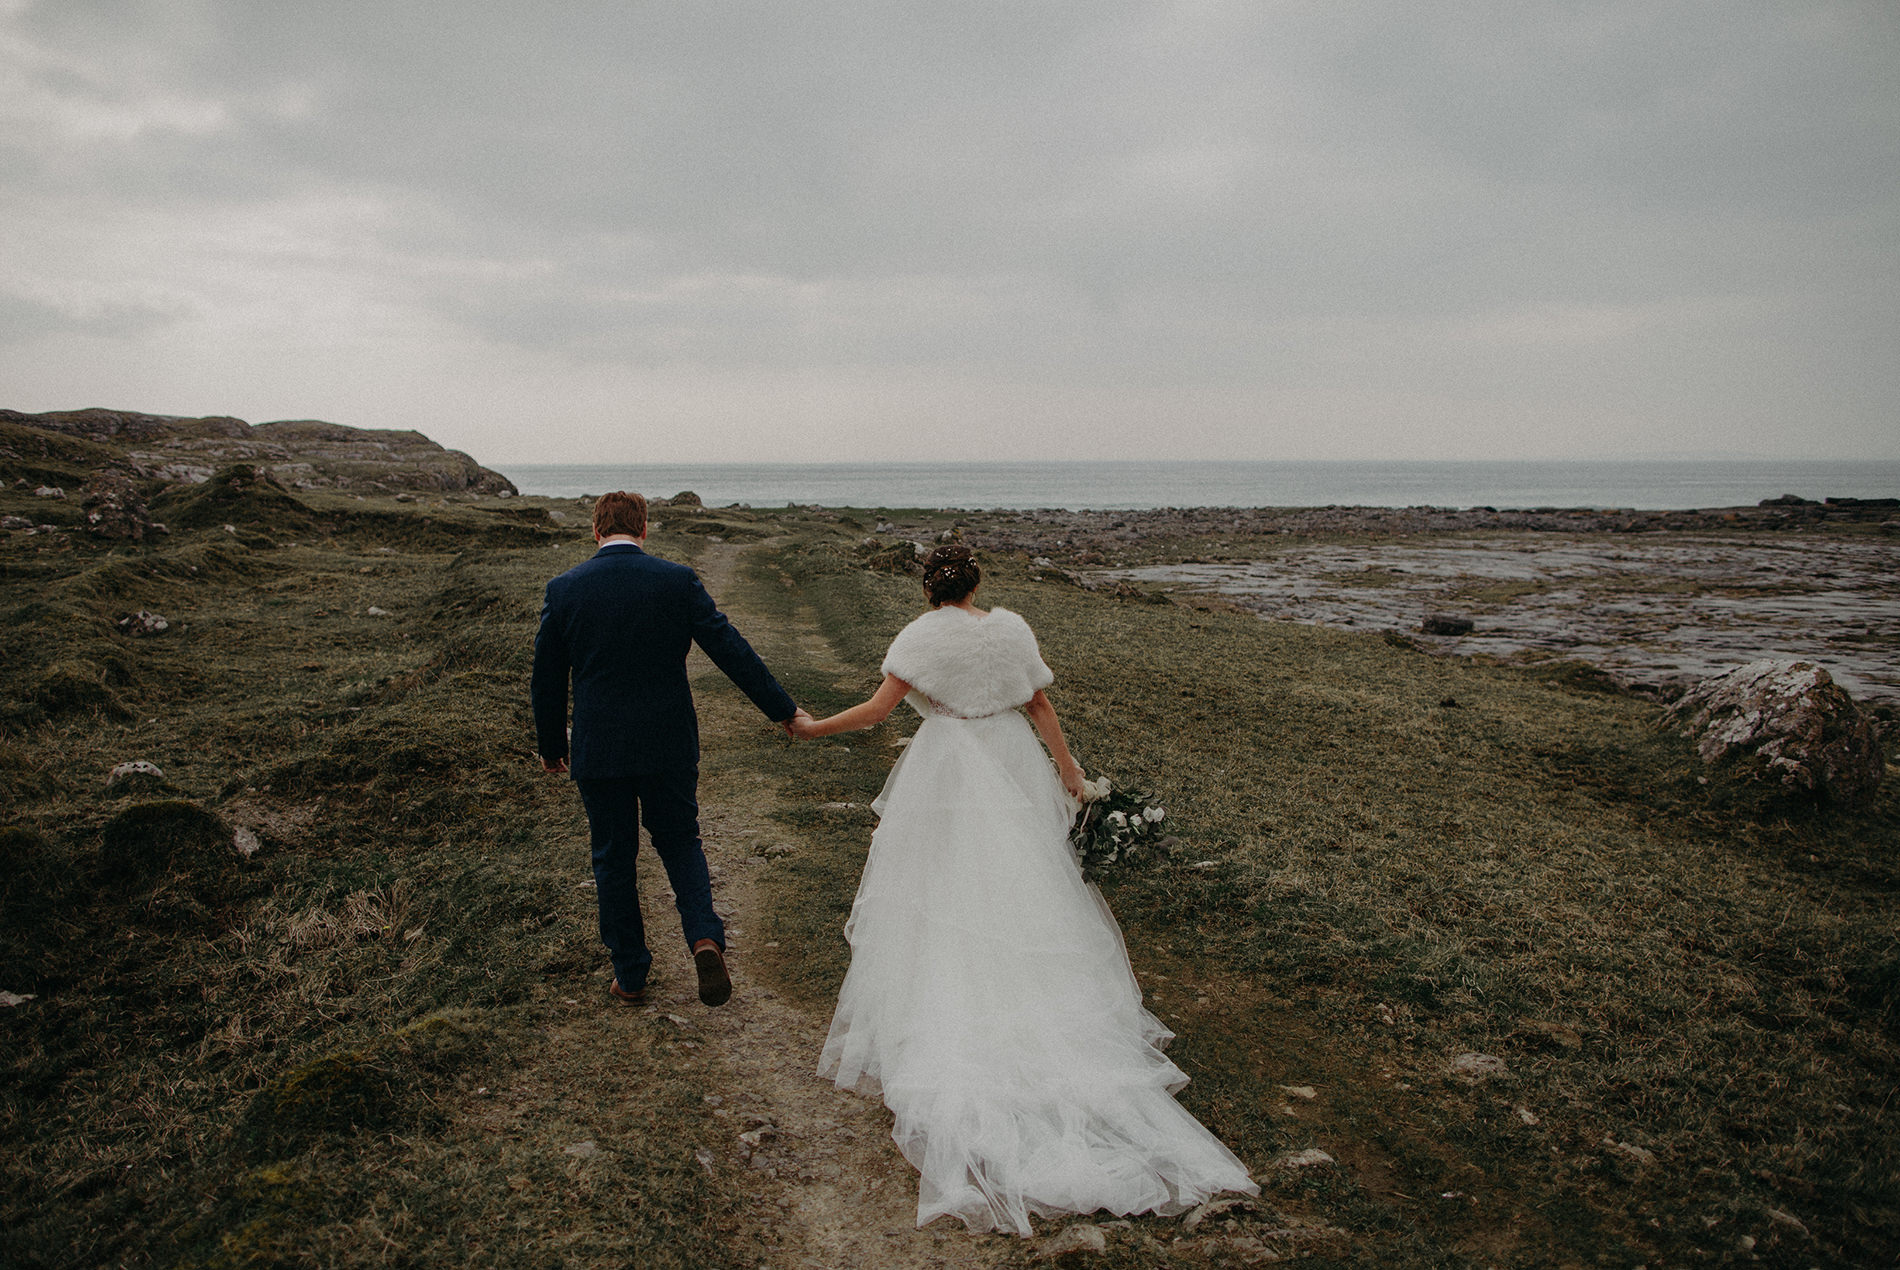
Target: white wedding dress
(989, 997)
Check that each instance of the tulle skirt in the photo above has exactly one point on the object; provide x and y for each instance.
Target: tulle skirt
(990, 1002)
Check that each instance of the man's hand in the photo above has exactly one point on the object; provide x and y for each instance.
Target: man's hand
(554, 766)
(795, 726)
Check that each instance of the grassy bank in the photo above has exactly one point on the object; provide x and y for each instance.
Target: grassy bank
(1392, 860)
(376, 1039)
(379, 1038)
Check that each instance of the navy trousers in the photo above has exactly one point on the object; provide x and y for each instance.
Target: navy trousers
(668, 803)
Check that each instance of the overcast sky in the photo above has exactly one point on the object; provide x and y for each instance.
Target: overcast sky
(700, 230)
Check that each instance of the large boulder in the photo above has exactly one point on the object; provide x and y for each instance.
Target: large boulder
(1803, 729)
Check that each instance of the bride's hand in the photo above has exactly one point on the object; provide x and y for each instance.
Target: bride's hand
(1072, 780)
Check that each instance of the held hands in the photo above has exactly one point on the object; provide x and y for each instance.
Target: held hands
(799, 725)
(554, 766)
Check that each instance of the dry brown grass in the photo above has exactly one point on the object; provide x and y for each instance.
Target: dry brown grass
(1692, 986)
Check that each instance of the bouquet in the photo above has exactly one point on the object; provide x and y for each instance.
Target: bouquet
(1115, 824)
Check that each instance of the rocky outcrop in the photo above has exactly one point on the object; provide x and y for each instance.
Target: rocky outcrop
(1790, 717)
(240, 494)
(114, 508)
(300, 453)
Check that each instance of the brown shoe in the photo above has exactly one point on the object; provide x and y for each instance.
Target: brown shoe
(715, 985)
(637, 997)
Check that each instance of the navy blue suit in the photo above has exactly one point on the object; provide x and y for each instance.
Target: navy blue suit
(619, 627)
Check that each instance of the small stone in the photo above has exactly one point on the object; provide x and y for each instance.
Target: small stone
(1445, 624)
(137, 767)
(1630, 1150)
(1080, 1238)
(1213, 1208)
(1526, 1115)
(1745, 1243)
(143, 623)
(373, 611)
(49, 491)
(11, 999)
(1789, 1220)
(1306, 1159)
(1477, 1066)
(1301, 1091)
(245, 841)
(15, 522)
(1560, 1033)
(705, 1159)
(583, 1150)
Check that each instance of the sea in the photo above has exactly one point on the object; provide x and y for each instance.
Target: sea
(1662, 484)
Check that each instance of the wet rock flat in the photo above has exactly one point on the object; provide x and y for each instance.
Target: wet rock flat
(1660, 611)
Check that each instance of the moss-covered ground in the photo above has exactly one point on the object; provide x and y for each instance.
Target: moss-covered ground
(381, 1038)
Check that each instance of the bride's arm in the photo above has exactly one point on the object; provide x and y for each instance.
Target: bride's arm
(863, 715)
(1043, 715)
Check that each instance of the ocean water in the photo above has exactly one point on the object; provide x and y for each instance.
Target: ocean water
(1647, 484)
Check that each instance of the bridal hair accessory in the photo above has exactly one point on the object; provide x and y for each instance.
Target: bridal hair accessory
(950, 573)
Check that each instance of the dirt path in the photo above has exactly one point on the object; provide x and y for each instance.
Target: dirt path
(818, 1166)
(852, 1201)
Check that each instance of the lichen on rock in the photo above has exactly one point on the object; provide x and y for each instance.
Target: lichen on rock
(1805, 731)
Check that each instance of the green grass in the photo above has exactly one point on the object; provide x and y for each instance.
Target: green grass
(356, 1046)
(1698, 970)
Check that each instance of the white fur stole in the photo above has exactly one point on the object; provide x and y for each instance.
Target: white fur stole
(969, 665)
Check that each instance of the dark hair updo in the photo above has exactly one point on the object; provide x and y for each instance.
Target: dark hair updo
(950, 573)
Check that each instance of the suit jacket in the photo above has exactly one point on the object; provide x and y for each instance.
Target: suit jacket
(620, 626)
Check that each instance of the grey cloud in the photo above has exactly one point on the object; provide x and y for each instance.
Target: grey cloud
(1226, 193)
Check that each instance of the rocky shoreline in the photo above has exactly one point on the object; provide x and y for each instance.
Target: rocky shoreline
(1103, 537)
(1655, 601)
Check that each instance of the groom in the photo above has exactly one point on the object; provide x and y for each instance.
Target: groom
(620, 624)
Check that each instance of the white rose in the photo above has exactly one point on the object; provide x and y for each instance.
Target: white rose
(1154, 815)
(1117, 819)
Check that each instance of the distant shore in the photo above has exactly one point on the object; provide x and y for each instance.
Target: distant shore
(1633, 485)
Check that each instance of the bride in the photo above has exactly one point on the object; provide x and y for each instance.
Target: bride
(989, 997)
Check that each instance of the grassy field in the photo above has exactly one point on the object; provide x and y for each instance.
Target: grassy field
(379, 1039)
(373, 1041)
(1392, 860)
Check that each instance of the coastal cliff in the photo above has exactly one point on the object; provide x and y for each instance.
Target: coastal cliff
(300, 453)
